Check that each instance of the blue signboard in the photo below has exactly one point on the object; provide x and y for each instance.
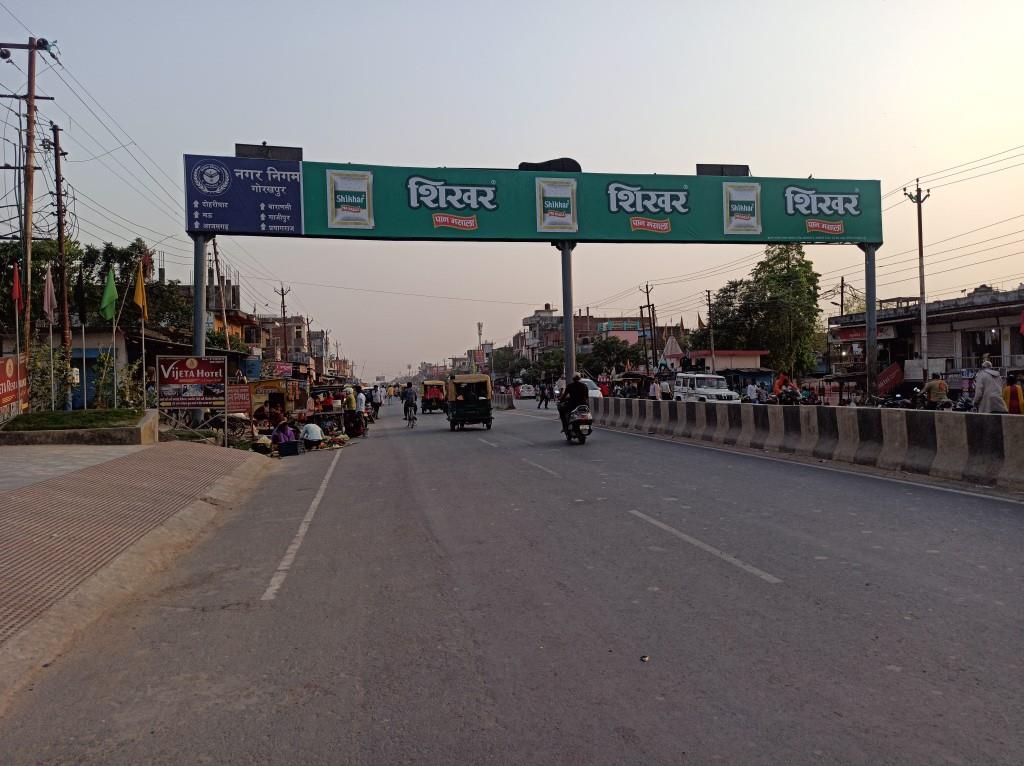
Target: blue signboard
(253, 368)
(234, 195)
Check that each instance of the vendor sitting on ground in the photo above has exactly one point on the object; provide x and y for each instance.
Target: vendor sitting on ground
(262, 412)
(276, 416)
(312, 436)
(282, 433)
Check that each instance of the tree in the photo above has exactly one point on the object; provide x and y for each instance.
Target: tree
(775, 309)
(610, 355)
(215, 339)
(785, 286)
(552, 363)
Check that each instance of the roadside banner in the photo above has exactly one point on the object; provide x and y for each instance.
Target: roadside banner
(191, 382)
(889, 379)
(240, 398)
(263, 197)
(13, 387)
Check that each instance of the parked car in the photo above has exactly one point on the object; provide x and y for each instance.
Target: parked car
(593, 390)
(700, 387)
(526, 391)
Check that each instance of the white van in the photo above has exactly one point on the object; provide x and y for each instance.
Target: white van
(701, 387)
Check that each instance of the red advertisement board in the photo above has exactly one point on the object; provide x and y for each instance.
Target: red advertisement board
(240, 398)
(11, 371)
(889, 378)
(185, 382)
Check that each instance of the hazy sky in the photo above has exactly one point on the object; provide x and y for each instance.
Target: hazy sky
(865, 89)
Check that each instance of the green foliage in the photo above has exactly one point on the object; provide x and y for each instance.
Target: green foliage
(39, 391)
(168, 308)
(50, 421)
(776, 309)
(550, 364)
(611, 355)
(130, 391)
(216, 340)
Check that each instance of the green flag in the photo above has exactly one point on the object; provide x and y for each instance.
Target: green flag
(108, 306)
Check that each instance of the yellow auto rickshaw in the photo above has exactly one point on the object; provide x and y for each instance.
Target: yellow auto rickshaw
(432, 396)
(468, 401)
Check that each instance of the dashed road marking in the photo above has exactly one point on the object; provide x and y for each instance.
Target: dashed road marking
(542, 468)
(749, 568)
(277, 580)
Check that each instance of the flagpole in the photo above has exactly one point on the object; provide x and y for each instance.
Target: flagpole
(113, 353)
(17, 354)
(53, 394)
(145, 402)
(85, 378)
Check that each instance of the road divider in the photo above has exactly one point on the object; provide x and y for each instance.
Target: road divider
(504, 402)
(963, 446)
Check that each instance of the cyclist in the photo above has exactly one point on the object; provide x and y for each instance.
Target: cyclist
(409, 400)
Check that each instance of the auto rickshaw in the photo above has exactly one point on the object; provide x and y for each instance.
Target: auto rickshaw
(432, 396)
(468, 401)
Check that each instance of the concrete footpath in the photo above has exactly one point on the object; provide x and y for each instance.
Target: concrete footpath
(83, 525)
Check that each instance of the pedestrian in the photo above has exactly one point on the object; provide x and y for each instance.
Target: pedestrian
(988, 390)
(549, 394)
(542, 395)
(1013, 395)
(935, 391)
(653, 390)
(377, 398)
(751, 390)
(327, 403)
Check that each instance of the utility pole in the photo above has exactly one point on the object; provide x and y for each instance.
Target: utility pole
(220, 292)
(309, 340)
(842, 295)
(284, 323)
(29, 187)
(643, 336)
(62, 269)
(711, 333)
(653, 324)
(918, 201)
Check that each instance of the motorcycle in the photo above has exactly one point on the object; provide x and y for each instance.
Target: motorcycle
(964, 404)
(581, 422)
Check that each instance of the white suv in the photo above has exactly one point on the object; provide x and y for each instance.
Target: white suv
(699, 387)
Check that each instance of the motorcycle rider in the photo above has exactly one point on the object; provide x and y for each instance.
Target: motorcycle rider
(935, 391)
(575, 395)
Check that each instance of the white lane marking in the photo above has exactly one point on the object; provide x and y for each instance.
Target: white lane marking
(710, 549)
(516, 438)
(289, 557)
(543, 468)
(489, 444)
(862, 474)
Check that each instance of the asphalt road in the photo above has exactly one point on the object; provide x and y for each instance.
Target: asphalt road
(492, 596)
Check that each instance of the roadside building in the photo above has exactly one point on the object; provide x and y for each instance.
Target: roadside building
(962, 332)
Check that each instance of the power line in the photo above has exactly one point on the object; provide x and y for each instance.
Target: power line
(398, 292)
(953, 167)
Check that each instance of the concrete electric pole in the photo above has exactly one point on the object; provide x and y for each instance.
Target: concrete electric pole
(284, 323)
(918, 201)
(62, 267)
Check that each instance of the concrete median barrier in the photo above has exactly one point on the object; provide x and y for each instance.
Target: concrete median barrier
(949, 445)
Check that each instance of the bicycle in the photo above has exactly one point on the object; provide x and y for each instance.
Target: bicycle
(410, 416)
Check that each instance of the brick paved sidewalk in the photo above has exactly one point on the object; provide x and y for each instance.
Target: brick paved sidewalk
(24, 465)
(56, 533)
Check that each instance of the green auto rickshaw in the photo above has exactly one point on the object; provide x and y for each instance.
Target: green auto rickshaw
(468, 399)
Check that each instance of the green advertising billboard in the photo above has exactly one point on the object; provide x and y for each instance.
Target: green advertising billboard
(318, 199)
